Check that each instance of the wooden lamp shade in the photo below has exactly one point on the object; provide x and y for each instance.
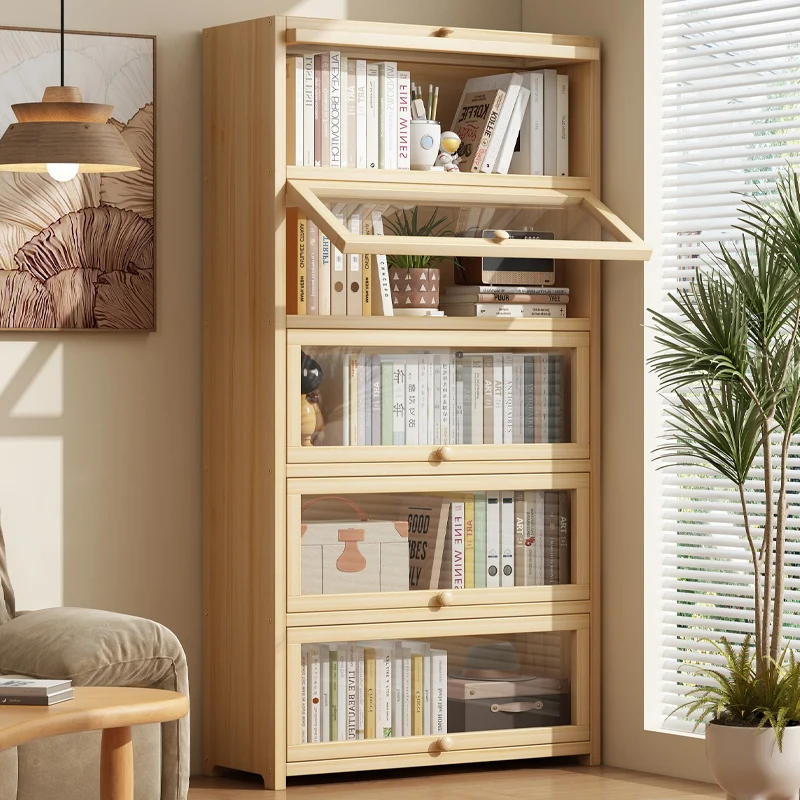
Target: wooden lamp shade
(62, 129)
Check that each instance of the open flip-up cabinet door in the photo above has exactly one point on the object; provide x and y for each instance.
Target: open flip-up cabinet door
(487, 220)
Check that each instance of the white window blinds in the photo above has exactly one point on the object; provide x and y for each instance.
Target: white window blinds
(730, 101)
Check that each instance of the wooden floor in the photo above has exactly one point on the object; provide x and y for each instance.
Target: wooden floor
(502, 782)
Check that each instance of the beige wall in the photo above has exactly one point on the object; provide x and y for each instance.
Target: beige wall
(620, 26)
(100, 433)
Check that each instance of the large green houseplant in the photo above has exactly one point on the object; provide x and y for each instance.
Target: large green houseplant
(729, 369)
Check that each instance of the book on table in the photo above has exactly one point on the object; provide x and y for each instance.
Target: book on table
(32, 692)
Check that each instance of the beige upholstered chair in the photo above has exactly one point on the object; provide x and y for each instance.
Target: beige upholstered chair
(92, 648)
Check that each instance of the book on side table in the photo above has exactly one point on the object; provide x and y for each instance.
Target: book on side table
(30, 692)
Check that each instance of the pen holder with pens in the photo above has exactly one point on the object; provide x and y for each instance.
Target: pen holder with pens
(425, 139)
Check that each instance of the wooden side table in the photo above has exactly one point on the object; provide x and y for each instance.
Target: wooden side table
(110, 709)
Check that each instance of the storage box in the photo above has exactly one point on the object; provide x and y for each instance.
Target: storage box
(489, 705)
(369, 555)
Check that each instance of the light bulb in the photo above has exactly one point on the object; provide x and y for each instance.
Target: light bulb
(62, 172)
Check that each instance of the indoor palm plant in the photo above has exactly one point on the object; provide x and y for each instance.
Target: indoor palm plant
(729, 369)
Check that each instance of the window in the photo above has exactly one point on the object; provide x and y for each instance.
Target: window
(724, 81)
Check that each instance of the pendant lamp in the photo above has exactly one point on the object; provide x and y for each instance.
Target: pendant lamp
(63, 136)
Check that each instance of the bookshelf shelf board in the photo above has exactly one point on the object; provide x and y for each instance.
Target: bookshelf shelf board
(434, 324)
(425, 180)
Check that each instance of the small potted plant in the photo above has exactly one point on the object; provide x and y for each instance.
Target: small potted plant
(415, 279)
(729, 369)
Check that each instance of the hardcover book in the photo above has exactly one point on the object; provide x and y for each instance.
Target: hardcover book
(474, 123)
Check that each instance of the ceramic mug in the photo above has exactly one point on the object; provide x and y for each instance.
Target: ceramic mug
(425, 138)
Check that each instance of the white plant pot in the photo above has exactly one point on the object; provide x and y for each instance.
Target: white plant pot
(748, 765)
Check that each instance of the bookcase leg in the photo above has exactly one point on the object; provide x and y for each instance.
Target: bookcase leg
(590, 760)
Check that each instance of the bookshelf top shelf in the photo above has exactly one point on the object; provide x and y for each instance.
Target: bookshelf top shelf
(504, 49)
(434, 324)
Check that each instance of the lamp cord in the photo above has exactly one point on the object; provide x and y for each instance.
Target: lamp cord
(62, 42)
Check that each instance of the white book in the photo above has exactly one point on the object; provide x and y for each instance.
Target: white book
(445, 406)
(438, 691)
(512, 137)
(361, 114)
(324, 275)
(397, 690)
(540, 538)
(408, 699)
(509, 83)
(508, 399)
(314, 695)
(341, 666)
(412, 400)
(333, 692)
(507, 530)
(550, 129)
(543, 380)
(361, 382)
(403, 119)
(338, 272)
(497, 377)
(492, 539)
(452, 368)
(352, 690)
(387, 115)
(32, 687)
(422, 416)
(335, 139)
(373, 128)
(294, 109)
(352, 106)
(325, 692)
(437, 402)
(476, 399)
(382, 267)
(399, 402)
(360, 727)
(304, 694)
(518, 391)
(431, 410)
(562, 113)
(506, 310)
(457, 536)
(308, 111)
(424, 649)
(529, 160)
(459, 435)
(353, 283)
(346, 401)
(384, 699)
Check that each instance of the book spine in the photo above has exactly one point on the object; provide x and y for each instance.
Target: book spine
(361, 114)
(497, 378)
(518, 374)
(446, 401)
(431, 402)
(412, 400)
(377, 427)
(417, 694)
(437, 401)
(515, 291)
(397, 690)
(312, 268)
(325, 692)
(504, 114)
(492, 539)
(324, 275)
(483, 145)
(399, 402)
(354, 400)
(302, 266)
(338, 277)
(335, 144)
(504, 298)
(352, 113)
(519, 538)
(540, 535)
(360, 400)
(304, 694)
(314, 695)
(551, 538)
(387, 115)
(367, 264)
(507, 539)
(384, 660)
(544, 384)
(506, 310)
(294, 110)
(464, 380)
(459, 418)
(476, 399)
(550, 128)
(408, 697)
(325, 113)
(453, 398)
(508, 399)
(480, 540)
(511, 140)
(403, 119)
(537, 125)
(564, 554)
(387, 396)
(308, 111)
(343, 692)
(373, 128)
(346, 441)
(333, 683)
(530, 569)
(488, 400)
(365, 375)
(422, 417)
(457, 533)
(529, 391)
(382, 266)
(469, 541)
(557, 392)
(318, 110)
(439, 691)
(361, 705)
(353, 284)
(562, 114)
(426, 692)
(369, 693)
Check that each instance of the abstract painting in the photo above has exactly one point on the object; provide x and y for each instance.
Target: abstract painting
(80, 254)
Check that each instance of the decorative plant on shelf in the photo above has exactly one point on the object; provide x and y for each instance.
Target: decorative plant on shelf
(415, 278)
(729, 369)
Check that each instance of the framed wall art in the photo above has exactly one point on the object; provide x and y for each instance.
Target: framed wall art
(80, 254)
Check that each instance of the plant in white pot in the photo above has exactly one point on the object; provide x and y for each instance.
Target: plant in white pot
(729, 369)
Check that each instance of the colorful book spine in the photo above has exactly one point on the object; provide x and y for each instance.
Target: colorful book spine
(488, 132)
(387, 115)
(302, 266)
(367, 263)
(519, 538)
(403, 119)
(457, 534)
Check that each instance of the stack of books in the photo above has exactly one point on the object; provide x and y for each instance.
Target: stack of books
(453, 398)
(371, 690)
(505, 301)
(30, 692)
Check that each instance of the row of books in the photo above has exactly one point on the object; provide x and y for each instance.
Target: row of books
(347, 112)
(371, 690)
(505, 301)
(515, 538)
(34, 692)
(453, 398)
(516, 123)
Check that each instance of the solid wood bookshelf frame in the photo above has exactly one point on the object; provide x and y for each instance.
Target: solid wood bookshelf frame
(254, 474)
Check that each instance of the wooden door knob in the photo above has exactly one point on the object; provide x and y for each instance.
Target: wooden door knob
(501, 236)
(445, 453)
(445, 598)
(443, 33)
(445, 744)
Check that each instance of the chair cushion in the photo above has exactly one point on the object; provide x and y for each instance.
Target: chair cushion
(6, 592)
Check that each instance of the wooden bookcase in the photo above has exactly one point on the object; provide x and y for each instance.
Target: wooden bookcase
(255, 472)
